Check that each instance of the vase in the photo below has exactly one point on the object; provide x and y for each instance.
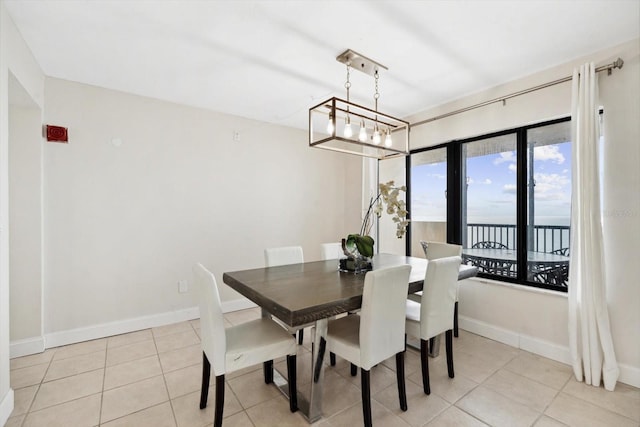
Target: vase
(355, 262)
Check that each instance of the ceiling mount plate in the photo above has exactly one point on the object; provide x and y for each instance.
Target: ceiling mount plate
(360, 62)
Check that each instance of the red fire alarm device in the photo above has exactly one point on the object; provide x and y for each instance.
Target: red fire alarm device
(57, 134)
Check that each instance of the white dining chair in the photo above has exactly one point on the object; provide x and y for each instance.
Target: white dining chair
(286, 255)
(376, 333)
(432, 316)
(331, 251)
(435, 250)
(240, 346)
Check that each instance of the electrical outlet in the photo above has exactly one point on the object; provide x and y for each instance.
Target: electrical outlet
(236, 135)
(183, 286)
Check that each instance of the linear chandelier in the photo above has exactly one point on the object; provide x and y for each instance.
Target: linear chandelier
(340, 125)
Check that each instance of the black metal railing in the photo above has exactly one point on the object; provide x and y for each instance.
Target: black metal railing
(545, 238)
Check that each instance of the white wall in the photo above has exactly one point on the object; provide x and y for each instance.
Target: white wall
(537, 320)
(16, 58)
(123, 224)
(25, 225)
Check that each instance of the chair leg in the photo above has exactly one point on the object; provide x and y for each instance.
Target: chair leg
(219, 401)
(293, 387)
(332, 358)
(366, 397)
(432, 345)
(455, 320)
(424, 355)
(300, 336)
(449, 344)
(321, 349)
(206, 375)
(402, 389)
(354, 370)
(268, 371)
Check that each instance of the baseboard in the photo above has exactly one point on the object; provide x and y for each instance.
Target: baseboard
(628, 374)
(547, 349)
(237, 304)
(93, 332)
(25, 347)
(6, 407)
(487, 330)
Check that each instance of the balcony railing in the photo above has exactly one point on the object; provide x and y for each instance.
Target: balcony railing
(545, 238)
(553, 239)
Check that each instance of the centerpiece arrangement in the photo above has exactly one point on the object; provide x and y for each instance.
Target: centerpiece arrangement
(358, 248)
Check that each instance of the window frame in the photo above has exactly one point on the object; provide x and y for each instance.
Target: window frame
(455, 194)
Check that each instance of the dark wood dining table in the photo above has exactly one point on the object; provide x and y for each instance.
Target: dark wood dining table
(312, 292)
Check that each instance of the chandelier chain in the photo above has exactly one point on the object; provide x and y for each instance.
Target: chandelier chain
(347, 84)
(376, 95)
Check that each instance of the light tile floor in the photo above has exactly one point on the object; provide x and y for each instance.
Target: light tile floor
(152, 378)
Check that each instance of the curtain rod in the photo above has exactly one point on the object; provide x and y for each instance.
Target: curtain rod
(618, 63)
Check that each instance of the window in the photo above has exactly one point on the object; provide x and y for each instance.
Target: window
(508, 202)
(428, 181)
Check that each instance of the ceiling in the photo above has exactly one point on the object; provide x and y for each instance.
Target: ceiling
(271, 60)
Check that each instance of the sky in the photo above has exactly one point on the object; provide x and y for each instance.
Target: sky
(491, 191)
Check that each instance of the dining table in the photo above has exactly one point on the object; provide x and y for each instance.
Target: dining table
(504, 261)
(311, 293)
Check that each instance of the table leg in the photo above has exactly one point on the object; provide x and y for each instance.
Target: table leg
(311, 408)
(317, 381)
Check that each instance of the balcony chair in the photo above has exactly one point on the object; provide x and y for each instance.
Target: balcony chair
(436, 250)
(490, 265)
(433, 315)
(376, 334)
(285, 255)
(488, 245)
(237, 347)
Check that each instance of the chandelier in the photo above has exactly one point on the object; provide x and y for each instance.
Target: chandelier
(340, 125)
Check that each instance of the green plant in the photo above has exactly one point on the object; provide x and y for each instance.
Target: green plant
(388, 195)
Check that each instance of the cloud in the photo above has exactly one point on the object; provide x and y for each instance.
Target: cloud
(509, 189)
(437, 175)
(507, 156)
(551, 186)
(486, 181)
(513, 167)
(551, 179)
(548, 152)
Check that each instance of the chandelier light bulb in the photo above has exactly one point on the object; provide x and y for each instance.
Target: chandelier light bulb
(362, 136)
(330, 125)
(387, 140)
(348, 132)
(376, 136)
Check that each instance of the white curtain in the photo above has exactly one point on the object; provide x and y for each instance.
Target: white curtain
(590, 341)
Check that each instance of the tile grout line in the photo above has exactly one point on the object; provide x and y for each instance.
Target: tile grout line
(104, 377)
(24, 420)
(164, 379)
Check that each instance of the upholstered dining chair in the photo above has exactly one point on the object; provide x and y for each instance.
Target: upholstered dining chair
(285, 255)
(239, 346)
(376, 334)
(432, 316)
(331, 251)
(435, 250)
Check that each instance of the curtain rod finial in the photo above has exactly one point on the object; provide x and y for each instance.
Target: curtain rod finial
(618, 63)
